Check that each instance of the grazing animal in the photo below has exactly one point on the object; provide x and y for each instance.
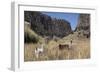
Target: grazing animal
(39, 51)
(63, 46)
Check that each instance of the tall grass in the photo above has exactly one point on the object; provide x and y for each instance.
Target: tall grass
(81, 50)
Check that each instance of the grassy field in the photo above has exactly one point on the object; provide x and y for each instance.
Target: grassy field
(80, 50)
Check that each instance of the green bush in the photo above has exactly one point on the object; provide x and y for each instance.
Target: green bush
(30, 36)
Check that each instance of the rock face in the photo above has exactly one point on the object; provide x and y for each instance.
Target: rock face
(84, 25)
(44, 25)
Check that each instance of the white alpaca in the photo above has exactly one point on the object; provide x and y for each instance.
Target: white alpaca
(39, 50)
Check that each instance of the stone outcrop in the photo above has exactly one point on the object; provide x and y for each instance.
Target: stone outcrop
(83, 26)
(44, 25)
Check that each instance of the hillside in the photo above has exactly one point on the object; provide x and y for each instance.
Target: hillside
(83, 26)
(44, 25)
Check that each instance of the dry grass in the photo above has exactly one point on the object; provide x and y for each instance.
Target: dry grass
(80, 50)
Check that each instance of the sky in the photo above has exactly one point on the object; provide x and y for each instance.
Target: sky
(71, 17)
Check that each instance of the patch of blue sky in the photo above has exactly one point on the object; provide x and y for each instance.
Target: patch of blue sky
(70, 17)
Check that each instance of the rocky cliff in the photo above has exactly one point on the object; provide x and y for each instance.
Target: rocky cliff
(44, 25)
(83, 26)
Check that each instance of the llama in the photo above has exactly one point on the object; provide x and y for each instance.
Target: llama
(66, 45)
(63, 46)
(39, 50)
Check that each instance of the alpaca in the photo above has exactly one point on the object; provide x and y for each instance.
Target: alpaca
(63, 46)
(39, 50)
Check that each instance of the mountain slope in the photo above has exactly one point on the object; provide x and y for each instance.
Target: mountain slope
(83, 26)
(44, 25)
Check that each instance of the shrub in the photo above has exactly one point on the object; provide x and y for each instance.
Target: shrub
(30, 36)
